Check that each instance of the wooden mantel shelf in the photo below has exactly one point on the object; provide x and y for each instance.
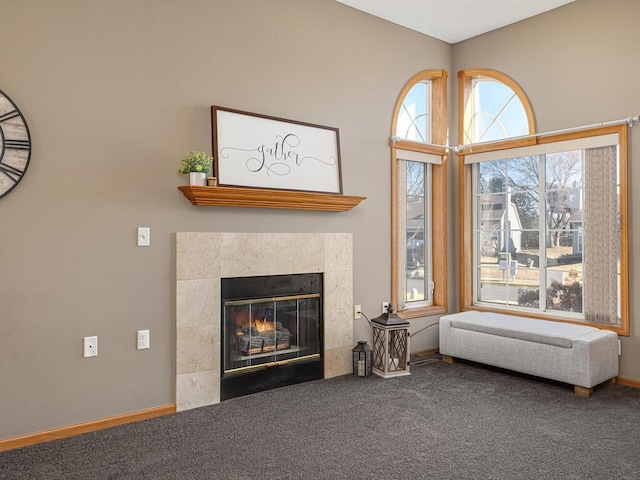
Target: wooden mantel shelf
(266, 198)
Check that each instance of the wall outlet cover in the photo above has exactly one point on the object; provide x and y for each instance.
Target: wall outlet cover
(143, 339)
(90, 346)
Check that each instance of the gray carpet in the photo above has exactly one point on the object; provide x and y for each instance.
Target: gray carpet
(460, 421)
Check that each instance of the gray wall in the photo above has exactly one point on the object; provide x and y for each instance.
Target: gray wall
(114, 94)
(579, 65)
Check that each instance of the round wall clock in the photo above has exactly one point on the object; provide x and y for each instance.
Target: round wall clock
(15, 145)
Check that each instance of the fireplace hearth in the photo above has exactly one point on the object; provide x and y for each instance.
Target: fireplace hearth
(272, 332)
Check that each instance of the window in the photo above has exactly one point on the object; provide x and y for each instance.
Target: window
(419, 285)
(543, 223)
(414, 118)
(495, 107)
(414, 211)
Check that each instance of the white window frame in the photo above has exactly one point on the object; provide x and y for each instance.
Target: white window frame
(428, 280)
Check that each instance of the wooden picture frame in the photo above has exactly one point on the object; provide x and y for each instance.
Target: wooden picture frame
(260, 151)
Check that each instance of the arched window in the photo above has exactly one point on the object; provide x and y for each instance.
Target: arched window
(419, 270)
(494, 107)
(543, 217)
(414, 117)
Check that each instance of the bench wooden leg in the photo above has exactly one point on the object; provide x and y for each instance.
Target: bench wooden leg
(582, 391)
(448, 359)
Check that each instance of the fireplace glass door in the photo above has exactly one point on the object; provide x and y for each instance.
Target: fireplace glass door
(270, 331)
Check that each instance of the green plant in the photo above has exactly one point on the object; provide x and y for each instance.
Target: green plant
(196, 162)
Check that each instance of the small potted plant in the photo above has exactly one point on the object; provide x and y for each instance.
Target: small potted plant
(196, 164)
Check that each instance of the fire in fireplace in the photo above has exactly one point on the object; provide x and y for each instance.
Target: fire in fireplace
(272, 332)
(263, 336)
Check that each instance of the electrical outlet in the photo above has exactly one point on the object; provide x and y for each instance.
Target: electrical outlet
(357, 311)
(90, 347)
(143, 339)
(385, 307)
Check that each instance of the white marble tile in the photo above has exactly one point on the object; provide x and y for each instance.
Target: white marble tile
(197, 390)
(198, 302)
(338, 361)
(197, 348)
(338, 289)
(197, 255)
(247, 254)
(338, 330)
(338, 252)
(308, 253)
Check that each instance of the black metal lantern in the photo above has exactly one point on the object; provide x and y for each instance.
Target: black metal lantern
(362, 359)
(390, 345)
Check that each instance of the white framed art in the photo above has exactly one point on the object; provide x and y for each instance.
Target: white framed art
(260, 151)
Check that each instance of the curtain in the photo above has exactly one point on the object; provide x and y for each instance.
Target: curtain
(601, 235)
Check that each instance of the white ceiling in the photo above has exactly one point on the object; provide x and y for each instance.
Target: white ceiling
(454, 20)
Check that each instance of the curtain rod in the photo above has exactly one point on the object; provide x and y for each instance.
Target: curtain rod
(395, 139)
(629, 120)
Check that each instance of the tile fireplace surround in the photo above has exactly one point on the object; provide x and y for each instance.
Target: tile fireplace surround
(202, 259)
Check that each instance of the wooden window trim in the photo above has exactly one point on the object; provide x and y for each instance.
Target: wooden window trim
(466, 232)
(465, 79)
(465, 201)
(465, 213)
(410, 313)
(438, 80)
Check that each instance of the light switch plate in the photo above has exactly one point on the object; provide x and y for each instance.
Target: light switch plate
(144, 236)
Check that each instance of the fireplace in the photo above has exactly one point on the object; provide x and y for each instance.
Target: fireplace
(204, 259)
(271, 332)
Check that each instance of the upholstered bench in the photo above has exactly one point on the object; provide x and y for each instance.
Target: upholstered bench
(576, 354)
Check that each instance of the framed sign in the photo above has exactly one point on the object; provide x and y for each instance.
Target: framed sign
(260, 151)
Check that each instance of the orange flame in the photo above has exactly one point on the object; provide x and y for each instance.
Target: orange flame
(263, 325)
